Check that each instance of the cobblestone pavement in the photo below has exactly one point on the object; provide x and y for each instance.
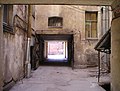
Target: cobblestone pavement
(47, 78)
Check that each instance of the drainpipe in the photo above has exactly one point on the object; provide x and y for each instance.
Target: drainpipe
(98, 66)
(28, 70)
(101, 22)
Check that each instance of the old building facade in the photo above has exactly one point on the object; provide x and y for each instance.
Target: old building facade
(86, 25)
(15, 27)
(78, 27)
(83, 22)
(115, 42)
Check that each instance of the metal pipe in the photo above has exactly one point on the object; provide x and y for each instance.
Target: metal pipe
(108, 18)
(29, 20)
(28, 58)
(98, 66)
(28, 41)
(102, 21)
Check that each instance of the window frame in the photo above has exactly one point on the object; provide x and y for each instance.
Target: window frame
(8, 18)
(91, 21)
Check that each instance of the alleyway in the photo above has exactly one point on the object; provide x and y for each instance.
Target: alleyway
(47, 78)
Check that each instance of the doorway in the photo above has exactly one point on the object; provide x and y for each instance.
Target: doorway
(56, 49)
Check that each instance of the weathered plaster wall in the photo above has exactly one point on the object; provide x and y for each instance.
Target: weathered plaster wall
(73, 23)
(115, 56)
(14, 55)
(15, 48)
(1, 48)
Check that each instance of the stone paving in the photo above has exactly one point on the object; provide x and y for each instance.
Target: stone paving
(47, 78)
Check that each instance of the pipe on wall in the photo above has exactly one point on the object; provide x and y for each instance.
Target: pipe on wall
(98, 66)
(28, 65)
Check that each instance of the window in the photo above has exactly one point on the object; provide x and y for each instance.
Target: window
(7, 17)
(91, 25)
(55, 21)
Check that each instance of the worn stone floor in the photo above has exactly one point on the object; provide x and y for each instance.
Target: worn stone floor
(47, 78)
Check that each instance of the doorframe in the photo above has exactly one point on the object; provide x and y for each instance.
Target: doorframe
(68, 37)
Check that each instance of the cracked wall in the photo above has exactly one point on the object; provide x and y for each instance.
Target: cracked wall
(15, 47)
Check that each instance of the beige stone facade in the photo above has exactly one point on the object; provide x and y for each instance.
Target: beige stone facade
(73, 23)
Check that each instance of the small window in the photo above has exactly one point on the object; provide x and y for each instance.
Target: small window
(91, 25)
(7, 17)
(55, 21)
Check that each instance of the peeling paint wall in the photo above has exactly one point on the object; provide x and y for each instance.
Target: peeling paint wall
(73, 23)
(15, 48)
(14, 55)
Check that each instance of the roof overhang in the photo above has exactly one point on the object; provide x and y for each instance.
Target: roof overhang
(104, 44)
(60, 2)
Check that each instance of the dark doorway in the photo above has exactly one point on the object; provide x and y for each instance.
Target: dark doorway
(56, 49)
